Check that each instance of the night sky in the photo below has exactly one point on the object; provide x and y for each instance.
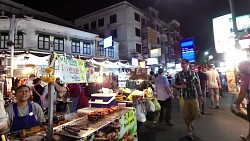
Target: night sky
(195, 16)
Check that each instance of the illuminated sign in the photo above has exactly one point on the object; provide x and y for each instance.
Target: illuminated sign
(187, 49)
(224, 38)
(108, 42)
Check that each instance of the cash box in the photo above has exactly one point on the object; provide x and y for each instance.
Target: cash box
(101, 100)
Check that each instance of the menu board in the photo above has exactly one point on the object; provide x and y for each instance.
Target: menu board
(71, 70)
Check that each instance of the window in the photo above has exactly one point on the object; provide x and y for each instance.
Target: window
(86, 49)
(75, 46)
(157, 28)
(19, 40)
(158, 40)
(102, 51)
(137, 17)
(58, 44)
(4, 39)
(101, 22)
(113, 33)
(111, 52)
(86, 26)
(113, 19)
(153, 14)
(43, 42)
(138, 48)
(93, 25)
(137, 32)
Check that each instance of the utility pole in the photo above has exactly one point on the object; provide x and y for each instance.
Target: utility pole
(12, 38)
(236, 33)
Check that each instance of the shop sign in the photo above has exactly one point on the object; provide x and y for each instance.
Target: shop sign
(155, 52)
(128, 126)
(71, 70)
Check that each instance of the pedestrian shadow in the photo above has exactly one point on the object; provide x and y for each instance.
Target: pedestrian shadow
(195, 139)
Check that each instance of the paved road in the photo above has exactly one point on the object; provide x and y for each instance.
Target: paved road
(218, 125)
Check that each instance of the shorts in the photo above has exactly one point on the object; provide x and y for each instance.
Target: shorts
(190, 108)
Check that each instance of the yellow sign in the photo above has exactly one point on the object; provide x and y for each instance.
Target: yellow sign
(129, 118)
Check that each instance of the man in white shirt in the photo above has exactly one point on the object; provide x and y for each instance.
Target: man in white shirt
(213, 86)
(29, 82)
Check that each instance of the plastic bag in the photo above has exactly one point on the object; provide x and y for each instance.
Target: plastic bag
(157, 105)
(150, 107)
(140, 113)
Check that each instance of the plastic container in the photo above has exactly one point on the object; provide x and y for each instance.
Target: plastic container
(101, 100)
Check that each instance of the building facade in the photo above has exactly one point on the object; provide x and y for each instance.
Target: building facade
(45, 33)
(137, 31)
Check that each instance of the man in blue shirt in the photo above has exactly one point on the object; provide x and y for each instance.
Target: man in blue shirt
(164, 95)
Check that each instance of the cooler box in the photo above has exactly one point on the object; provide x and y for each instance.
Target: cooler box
(101, 100)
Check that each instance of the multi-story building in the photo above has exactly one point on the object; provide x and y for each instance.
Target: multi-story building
(138, 31)
(44, 33)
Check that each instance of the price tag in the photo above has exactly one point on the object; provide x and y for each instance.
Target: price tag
(98, 100)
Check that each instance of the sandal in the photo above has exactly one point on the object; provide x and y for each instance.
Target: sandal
(243, 138)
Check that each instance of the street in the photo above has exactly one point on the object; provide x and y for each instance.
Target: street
(217, 125)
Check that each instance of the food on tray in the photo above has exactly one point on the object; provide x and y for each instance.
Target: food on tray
(94, 116)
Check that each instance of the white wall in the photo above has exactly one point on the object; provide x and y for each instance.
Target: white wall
(32, 28)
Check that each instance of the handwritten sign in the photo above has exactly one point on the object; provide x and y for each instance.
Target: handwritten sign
(71, 70)
(129, 119)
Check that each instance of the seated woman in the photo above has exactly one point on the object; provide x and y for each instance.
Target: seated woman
(24, 114)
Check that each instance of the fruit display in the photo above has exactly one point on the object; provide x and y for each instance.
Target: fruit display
(134, 93)
(148, 93)
(98, 114)
(119, 97)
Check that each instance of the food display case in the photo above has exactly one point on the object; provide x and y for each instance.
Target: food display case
(119, 125)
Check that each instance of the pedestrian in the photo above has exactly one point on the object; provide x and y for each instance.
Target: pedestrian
(213, 86)
(164, 96)
(244, 93)
(29, 82)
(188, 84)
(37, 91)
(203, 83)
(77, 95)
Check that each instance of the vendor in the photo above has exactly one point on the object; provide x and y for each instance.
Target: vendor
(24, 114)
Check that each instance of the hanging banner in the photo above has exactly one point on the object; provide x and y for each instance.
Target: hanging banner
(231, 80)
(71, 70)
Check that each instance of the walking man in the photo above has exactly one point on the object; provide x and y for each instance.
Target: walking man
(188, 84)
(213, 85)
(164, 95)
(203, 83)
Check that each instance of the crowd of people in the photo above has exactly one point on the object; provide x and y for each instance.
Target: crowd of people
(189, 88)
